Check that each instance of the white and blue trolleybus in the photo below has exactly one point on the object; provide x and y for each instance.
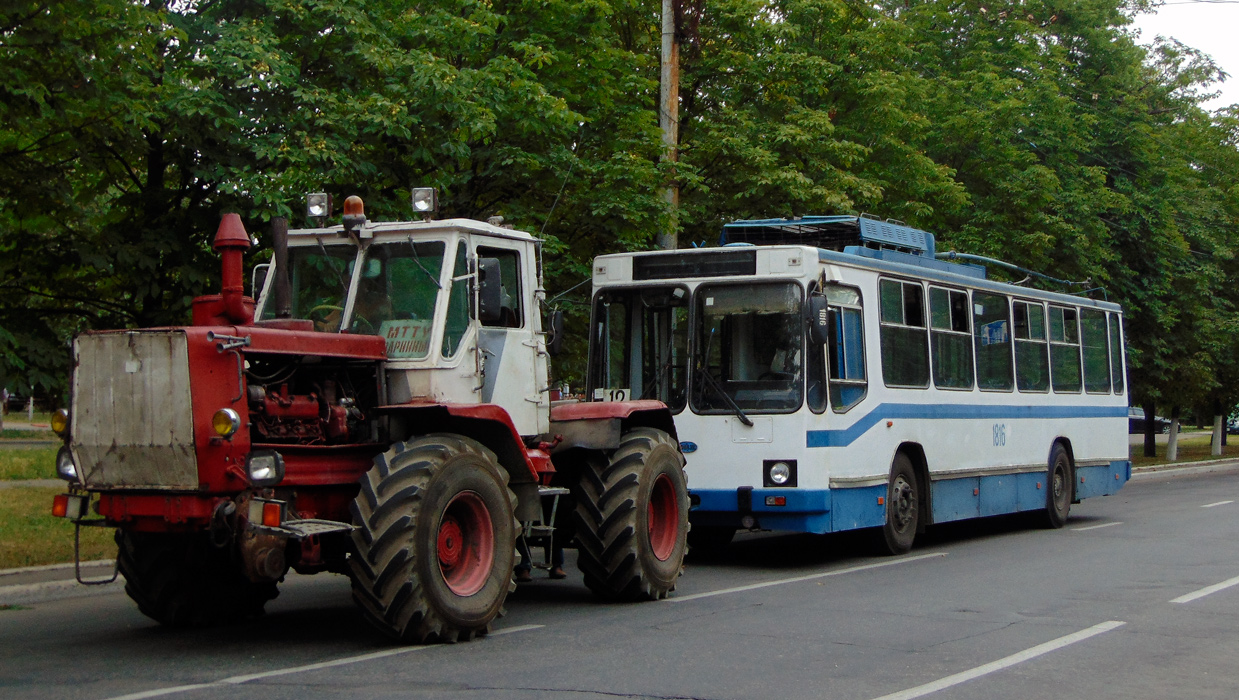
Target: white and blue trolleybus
(831, 373)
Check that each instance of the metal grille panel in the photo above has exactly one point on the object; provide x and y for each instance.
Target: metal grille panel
(132, 413)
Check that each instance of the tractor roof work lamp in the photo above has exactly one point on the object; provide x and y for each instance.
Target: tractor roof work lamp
(425, 202)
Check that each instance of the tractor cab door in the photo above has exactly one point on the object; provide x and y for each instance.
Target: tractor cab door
(510, 345)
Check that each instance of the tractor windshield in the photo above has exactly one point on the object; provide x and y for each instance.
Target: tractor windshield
(397, 293)
(748, 343)
(319, 277)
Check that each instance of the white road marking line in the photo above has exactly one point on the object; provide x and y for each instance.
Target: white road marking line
(808, 577)
(237, 680)
(1207, 590)
(1219, 503)
(1095, 527)
(1006, 662)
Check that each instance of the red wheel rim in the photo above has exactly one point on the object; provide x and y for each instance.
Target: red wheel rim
(664, 517)
(465, 544)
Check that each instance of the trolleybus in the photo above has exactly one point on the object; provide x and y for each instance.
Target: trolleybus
(831, 373)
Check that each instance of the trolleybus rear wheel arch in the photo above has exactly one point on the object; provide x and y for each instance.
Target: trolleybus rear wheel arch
(903, 506)
(1060, 487)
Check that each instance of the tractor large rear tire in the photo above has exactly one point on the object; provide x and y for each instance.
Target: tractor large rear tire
(182, 580)
(632, 518)
(434, 548)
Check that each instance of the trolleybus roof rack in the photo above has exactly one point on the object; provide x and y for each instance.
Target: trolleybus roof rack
(862, 235)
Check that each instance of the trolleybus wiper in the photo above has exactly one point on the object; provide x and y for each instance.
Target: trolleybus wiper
(704, 372)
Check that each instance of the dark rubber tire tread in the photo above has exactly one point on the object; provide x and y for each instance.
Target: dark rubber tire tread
(614, 551)
(1060, 488)
(903, 507)
(182, 580)
(394, 565)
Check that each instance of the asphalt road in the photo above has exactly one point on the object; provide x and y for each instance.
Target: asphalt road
(1122, 603)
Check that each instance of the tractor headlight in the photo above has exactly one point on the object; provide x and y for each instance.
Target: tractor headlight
(265, 467)
(65, 467)
(225, 422)
(60, 422)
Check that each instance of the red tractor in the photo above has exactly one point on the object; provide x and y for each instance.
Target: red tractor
(383, 411)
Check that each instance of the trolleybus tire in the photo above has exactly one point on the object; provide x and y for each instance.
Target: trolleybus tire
(903, 507)
(435, 540)
(1059, 492)
(632, 518)
(182, 580)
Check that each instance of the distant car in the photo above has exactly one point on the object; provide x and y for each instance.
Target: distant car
(1232, 426)
(1135, 422)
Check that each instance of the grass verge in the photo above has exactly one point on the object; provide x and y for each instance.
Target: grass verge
(1191, 449)
(28, 463)
(31, 536)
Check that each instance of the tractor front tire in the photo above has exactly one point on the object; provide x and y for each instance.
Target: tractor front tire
(435, 540)
(182, 580)
(632, 518)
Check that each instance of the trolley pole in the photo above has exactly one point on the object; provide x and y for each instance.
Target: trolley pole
(669, 120)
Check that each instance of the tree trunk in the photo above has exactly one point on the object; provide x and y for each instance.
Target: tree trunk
(1150, 442)
(1219, 429)
(1172, 441)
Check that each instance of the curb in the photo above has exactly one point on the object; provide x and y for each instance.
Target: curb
(49, 591)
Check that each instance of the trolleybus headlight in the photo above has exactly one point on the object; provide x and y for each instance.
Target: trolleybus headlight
(65, 468)
(780, 472)
(265, 467)
(60, 422)
(225, 422)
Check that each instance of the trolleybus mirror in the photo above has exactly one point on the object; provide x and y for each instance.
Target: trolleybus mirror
(819, 320)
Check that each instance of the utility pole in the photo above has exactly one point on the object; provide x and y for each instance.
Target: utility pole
(669, 120)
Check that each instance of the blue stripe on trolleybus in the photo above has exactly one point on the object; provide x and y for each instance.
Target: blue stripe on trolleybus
(922, 411)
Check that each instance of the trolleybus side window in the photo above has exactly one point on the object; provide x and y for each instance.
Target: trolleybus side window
(845, 347)
(905, 347)
(1032, 360)
(991, 324)
(950, 339)
(1116, 352)
(1096, 351)
(1064, 349)
(748, 348)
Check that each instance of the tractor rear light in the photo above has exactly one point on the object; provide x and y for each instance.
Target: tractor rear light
(69, 505)
(267, 512)
(776, 500)
(225, 422)
(272, 513)
(265, 468)
(65, 467)
(60, 422)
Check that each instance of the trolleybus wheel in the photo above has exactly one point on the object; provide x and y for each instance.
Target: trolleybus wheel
(903, 510)
(1060, 482)
(435, 540)
(632, 518)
